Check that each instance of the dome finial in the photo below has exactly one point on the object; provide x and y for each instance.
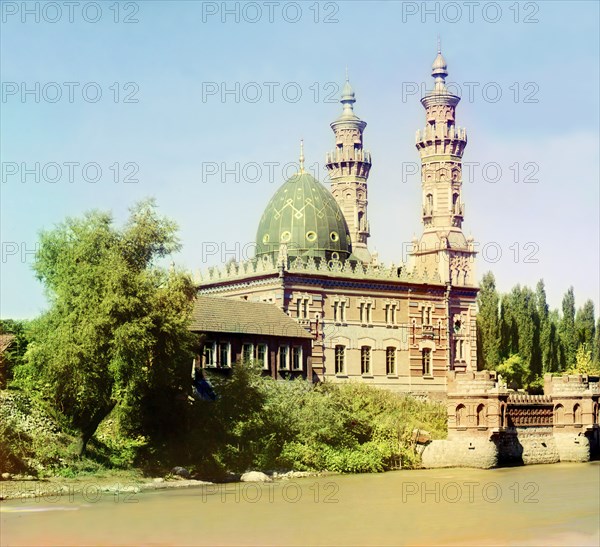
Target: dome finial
(439, 70)
(301, 171)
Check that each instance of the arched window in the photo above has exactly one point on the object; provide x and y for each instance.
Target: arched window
(461, 415)
(481, 415)
(577, 418)
(559, 414)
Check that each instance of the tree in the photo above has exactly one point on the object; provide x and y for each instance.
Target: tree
(116, 330)
(520, 329)
(553, 351)
(488, 324)
(583, 362)
(514, 371)
(547, 335)
(585, 329)
(568, 334)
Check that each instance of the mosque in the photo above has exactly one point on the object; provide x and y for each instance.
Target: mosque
(401, 326)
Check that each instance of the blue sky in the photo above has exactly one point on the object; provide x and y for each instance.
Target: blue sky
(178, 59)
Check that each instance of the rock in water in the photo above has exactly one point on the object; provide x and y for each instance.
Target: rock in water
(255, 476)
(181, 472)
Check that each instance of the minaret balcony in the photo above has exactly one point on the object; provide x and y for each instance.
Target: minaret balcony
(440, 133)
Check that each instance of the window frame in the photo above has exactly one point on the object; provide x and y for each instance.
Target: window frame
(245, 345)
(286, 364)
(297, 351)
(390, 351)
(365, 361)
(209, 348)
(264, 362)
(427, 362)
(340, 359)
(220, 346)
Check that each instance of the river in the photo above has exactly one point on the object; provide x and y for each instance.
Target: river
(536, 505)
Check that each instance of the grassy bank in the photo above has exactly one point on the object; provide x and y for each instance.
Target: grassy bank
(256, 423)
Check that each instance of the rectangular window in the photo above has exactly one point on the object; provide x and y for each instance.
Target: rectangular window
(365, 360)
(369, 315)
(335, 312)
(248, 353)
(390, 360)
(426, 360)
(262, 355)
(362, 313)
(284, 358)
(426, 316)
(393, 318)
(342, 312)
(388, 309)
(297, 358)
(224, 354)
(209, 354)
(302, 308)
(340, 359)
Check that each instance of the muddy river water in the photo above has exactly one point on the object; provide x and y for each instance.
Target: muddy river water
(535, 505)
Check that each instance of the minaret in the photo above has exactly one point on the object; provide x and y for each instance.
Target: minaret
(349, 167)
(443, 246)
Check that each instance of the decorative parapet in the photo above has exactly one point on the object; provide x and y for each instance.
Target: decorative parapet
(571, 385)
(527, 399)
(440, 131)
(347, 269)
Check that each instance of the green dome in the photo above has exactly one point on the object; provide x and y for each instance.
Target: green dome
(305, 217)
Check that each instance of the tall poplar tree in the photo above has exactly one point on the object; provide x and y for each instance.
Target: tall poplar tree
(488, 324)
(568, 334)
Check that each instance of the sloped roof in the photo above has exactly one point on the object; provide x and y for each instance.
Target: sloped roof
(218, 314)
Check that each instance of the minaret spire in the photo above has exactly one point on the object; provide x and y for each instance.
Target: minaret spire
(349, 165)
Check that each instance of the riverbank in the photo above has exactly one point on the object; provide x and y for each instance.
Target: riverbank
(123, 483)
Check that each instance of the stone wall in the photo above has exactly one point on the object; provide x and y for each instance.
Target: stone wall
(477, 452)
(527, 446)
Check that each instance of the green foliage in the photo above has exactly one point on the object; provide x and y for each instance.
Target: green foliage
(545, 341)
(583, 362)
(116, 332)
(585, 329)
(568, 334)
(514, 371)
(336, 427)
(488, 324)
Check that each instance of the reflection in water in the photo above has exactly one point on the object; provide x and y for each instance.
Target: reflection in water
(535, 505)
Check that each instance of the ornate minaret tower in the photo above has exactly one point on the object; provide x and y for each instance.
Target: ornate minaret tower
(443, 246)
(349, 167)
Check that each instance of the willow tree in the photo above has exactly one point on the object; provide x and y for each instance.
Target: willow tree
(117, 324)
